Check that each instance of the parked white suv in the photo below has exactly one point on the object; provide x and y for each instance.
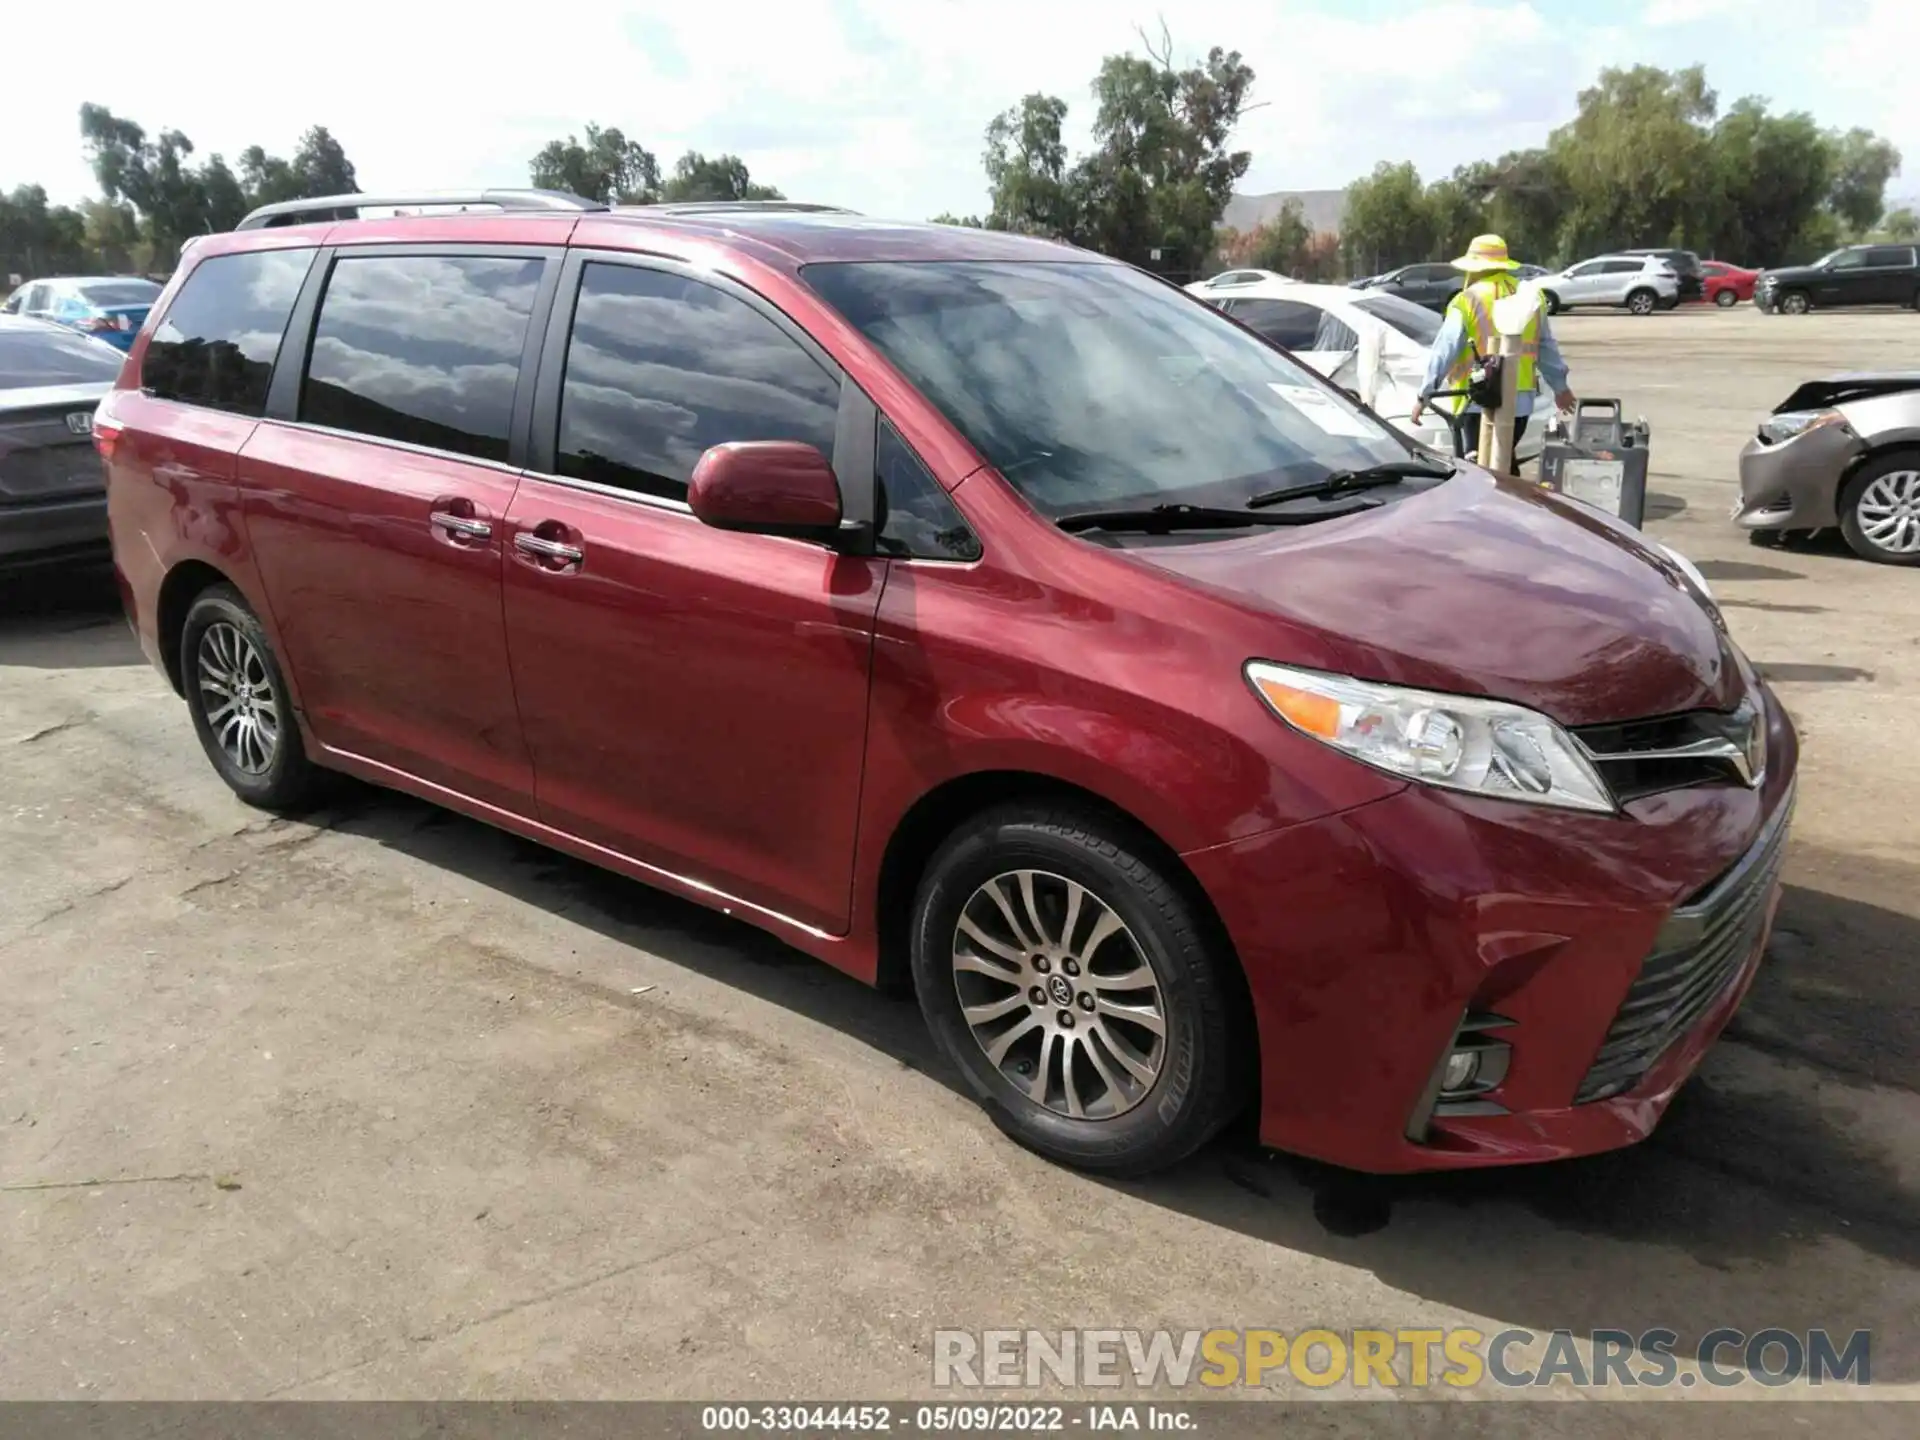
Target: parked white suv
(1640, 283)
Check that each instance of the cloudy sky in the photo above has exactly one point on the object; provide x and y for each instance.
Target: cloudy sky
(879, 104)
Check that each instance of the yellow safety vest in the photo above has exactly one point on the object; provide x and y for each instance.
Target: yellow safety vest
(1475, 304)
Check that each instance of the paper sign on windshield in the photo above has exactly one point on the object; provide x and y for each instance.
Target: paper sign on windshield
(1331, 418)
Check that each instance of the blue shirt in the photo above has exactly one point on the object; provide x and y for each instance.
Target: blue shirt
(1452, 339)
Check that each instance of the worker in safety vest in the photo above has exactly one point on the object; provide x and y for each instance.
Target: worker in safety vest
(1467, 336)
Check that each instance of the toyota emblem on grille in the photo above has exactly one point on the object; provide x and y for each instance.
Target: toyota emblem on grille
(80, 422)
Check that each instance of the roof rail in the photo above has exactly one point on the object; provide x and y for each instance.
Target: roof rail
(348, 207)
(735, 207)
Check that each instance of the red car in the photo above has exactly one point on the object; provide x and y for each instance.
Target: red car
(1726, 285)
(980, 615)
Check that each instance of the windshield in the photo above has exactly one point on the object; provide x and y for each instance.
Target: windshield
(54, 357)
(1416, 322)
(120, 292)
(1092, 385)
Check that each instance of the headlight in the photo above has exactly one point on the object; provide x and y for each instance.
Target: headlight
(1484, 747)
(1785, 426)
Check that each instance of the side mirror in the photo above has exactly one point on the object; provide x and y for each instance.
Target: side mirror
(766, 487)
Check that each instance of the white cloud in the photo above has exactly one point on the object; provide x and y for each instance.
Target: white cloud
(879, 104)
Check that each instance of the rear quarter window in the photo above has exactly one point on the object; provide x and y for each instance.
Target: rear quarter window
(217, 342)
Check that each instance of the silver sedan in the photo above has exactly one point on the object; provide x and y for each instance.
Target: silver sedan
(1843, 451)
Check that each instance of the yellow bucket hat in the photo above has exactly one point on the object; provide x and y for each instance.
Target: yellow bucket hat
(1487, 252)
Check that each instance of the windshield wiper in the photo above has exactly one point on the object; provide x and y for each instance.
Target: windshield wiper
(1160, 519)
(1342, 481)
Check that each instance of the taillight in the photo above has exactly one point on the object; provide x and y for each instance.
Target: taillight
(106, 429)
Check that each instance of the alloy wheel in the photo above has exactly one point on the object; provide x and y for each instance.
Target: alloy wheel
(238, 697)
(1059, 995)
(1888, 511)
(1641, 304)
(1795, 304)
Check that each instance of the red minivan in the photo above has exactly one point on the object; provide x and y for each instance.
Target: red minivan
(976, 614)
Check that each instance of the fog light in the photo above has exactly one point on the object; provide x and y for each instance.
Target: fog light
(1462, 1067)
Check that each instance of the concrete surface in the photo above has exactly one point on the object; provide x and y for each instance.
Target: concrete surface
(384, 1103)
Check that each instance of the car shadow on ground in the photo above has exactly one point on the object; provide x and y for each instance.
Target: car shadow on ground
(64, 618)
(1740, 1184)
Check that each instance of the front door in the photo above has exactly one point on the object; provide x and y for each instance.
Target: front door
(1844, 281)
(377, 514)
(692, 698)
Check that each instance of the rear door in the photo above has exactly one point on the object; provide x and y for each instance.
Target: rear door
(376, 494)
(692, 698)
(1890, 275)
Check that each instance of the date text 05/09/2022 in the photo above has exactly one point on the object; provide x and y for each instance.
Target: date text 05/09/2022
(945, 1419)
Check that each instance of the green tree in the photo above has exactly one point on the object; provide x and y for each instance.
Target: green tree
(1152, 189)
(37, 238)
(154, 176)
(1026, 165)
(1902, 224)
(1769, 177)
(1387, 221)
(1280, 244)
(719, 177)
(609, 168)
(225, 201)
(1862, 165)
(947, 217)
(111, 234)
(322, 166)
(267, 179)
(1634, 158)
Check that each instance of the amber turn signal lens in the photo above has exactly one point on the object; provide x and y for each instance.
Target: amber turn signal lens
(1304, 710)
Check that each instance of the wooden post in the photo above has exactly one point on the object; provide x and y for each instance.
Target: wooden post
(1500, 460)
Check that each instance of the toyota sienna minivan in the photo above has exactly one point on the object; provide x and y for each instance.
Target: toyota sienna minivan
(984, 617)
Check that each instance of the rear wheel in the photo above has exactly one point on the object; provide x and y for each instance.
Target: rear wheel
(1880, 510)
(238, 698)
(1069, 980)
(1795, 302)
(1726, 299)
(1641, 302)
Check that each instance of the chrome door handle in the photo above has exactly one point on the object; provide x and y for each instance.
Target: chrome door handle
(461, 525)
(542, 548)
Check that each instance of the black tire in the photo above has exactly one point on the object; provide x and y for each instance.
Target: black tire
(1726, 299)
(1554, 307)
(1766, 539)
(1642, 302)
(1794, 302)
(219, 618)
(1193, 1091)
(1855, 491)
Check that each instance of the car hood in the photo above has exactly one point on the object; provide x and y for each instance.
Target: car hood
(1480, 587)
(1792, 272)
(1854, 385)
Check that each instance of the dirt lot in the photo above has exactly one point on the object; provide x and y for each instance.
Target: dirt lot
(384, 1103)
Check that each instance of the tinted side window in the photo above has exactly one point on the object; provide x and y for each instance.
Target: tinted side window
(917, 519)
(1849, 260)
(1623, 267)
(216, 344)
(661, 368)
(1890, 255)
(1286, 323)
(423, 349)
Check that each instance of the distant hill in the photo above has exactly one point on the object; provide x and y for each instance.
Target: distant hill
(1323, 209)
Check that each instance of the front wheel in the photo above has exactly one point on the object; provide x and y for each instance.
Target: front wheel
(1641, 302)
(1068, 979)
(241, 709)
(1554, 307)
(1726, 299)
(1880, 510)
(1795, 302)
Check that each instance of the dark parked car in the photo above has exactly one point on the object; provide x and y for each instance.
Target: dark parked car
(1843, 451)
(1851, 275)
(1429, 285)
(53, 499)
(980, 614)
(1686, 264)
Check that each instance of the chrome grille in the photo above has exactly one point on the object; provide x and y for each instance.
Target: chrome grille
(1698, 953)
(1701, 747)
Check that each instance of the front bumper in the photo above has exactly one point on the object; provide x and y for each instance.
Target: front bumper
(1795, 484)
(1367, 937)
